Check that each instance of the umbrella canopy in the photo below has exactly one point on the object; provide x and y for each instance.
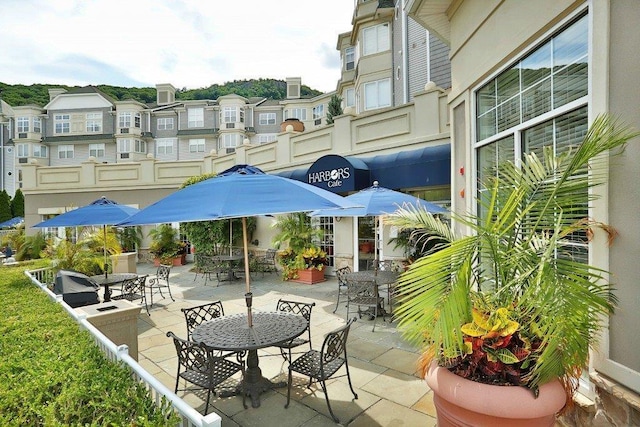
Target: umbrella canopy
(238, 192)
(11, 222)
(377, 201)
(101, 212)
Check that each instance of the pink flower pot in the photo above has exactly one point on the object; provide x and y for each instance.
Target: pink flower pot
(462, 402)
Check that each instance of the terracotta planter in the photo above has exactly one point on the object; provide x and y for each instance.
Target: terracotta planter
(177, 261)
(461, 402)
(310, 276)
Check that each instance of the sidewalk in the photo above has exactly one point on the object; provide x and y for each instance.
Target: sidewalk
(382, 364)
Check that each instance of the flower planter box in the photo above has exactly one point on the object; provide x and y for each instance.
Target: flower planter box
(310, 276)
(179, 260)
(462, 402)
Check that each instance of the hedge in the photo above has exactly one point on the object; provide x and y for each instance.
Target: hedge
(52, 373)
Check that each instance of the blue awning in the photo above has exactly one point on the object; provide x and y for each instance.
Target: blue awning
(11, 222)
(424, 167)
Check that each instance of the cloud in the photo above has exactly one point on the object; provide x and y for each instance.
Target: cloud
(188, 43)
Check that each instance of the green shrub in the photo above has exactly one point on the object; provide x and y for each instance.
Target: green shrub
(52, 373)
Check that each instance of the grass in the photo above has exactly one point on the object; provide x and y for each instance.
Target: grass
(51, 372)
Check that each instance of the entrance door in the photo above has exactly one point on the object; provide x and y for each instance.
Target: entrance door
(326, 224)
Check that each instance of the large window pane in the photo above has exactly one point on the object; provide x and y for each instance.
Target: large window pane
(508, 114)
(508, 84)
(536, 66)
(536, 100)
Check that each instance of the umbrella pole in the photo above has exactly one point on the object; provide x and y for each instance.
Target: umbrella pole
(247, 278)
(104, 249)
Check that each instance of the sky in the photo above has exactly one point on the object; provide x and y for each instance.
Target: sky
(188, 43)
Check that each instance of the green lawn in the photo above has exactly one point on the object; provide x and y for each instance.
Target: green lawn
(51, 373)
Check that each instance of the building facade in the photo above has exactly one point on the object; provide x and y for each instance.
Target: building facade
(532, 74)
(89, 145)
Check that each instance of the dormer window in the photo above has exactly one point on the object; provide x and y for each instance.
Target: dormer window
(195, 117)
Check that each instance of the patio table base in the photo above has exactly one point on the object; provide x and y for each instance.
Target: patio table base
(253, 384)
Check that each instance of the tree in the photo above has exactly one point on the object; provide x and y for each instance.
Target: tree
(334, 109)
(5, 206)
(17, 204)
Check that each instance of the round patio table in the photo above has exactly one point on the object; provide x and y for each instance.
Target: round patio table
(232, 333)
(111, 279)
(381, 277)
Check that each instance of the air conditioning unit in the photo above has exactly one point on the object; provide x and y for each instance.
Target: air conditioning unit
(22, 160)
(230, 125)
(124, 155)
(124, 130)
(317, 122)
(231, 150)
(22, 135)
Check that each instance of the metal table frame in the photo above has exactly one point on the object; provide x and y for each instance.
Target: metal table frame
(232, 333)
(111, 279)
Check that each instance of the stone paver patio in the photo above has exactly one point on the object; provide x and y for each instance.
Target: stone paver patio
(382, 364)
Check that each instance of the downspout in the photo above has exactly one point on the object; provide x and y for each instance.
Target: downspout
(405, 56)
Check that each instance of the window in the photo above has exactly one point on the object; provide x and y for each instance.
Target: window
(37, 125)
(164, 146)
(196, 145)
(65, 151)
(318, 112)
(22, 124)
(137, 120)
(195, 117)
(22, 150)
(124, 120)
(350, 98)
(375, 39)
(377, 94)
(296, 113)
(551, 76)
(165, 123)
(229, 140)
(349, 58)
(94, 122)
(140, 146)
(96, 150)
(229, 115)
(265, 138)
(267, 118)
(61, 123)
(132, 145)
(40, 151)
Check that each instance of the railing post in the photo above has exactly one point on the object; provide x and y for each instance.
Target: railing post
(122, 349)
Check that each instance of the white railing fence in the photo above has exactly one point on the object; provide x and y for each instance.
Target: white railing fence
(44, 278)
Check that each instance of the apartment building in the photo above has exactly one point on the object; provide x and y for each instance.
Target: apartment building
(395, 131)
(532, 74)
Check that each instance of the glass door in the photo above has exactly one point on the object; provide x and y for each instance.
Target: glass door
(326, 244)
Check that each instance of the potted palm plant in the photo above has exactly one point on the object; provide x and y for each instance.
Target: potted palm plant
(166, 246)
(302, 260)
(509, 304)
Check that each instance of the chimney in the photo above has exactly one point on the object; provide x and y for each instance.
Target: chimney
(294, 84)
(165, 93)
(53, 92)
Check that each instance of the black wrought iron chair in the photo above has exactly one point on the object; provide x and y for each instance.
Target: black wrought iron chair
(134, 290)
(195, 316)
(342, 284)
(198, 365)
(267, 262)
(160, 280)
(322, 365)
(303, 309)
(364, 293)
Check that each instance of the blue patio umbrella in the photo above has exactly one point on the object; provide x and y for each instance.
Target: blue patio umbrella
(238, 192)
(11, 222)
(101, 212)
(378, 201)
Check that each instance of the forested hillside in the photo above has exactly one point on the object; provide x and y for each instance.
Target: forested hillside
(37, 94)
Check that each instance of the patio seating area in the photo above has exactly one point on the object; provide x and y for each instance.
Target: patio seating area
(381, 363)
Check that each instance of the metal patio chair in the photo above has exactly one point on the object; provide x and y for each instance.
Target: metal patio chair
(322, 365)
(198, 365)
(133, 290)
(303, 309)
